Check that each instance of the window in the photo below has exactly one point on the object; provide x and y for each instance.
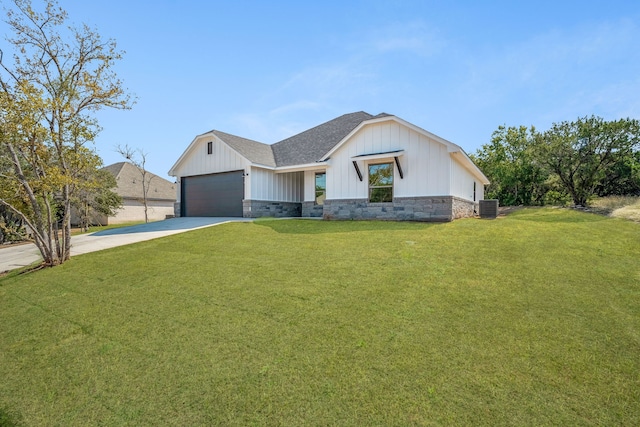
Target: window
(321, 188)
(381, 182)
(210, 147)
(474, 191)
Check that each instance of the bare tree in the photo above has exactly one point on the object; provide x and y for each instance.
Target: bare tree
(138, 158)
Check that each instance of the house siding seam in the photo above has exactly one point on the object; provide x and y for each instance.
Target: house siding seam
(267, 208)
(429, 208)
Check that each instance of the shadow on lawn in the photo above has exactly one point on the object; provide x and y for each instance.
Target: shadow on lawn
(8, 419)
(307, 226)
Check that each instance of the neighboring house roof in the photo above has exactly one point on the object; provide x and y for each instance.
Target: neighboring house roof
(129, 181)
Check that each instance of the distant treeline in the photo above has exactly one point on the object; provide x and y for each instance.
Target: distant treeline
(570, 163)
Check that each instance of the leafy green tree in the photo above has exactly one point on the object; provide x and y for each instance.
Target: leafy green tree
(622, 178)
(584, 153)
(11, 226)
(93, 193)
(510, 163)
(50, 89)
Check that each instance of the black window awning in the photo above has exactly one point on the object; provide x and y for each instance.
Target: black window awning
(375, 156)
(382, 155)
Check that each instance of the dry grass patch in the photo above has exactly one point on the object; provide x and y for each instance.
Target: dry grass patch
(631, 211)
(625, 207)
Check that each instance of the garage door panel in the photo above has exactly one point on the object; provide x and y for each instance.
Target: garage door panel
(218, 194)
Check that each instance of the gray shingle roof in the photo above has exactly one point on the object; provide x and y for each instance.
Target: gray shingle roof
(254, 151)
(311, 145)
(306, 147)
(129, 182)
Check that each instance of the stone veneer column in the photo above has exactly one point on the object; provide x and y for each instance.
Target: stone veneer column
(464, 208)
(312, 210)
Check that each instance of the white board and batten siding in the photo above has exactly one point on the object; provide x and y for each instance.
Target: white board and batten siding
(279, 187)
(264, 184)
(222, 159)
(462, 183)
(425, 163)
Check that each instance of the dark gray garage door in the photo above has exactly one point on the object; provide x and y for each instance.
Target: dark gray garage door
(218, 194)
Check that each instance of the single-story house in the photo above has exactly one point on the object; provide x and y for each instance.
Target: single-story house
(160, 197)
(356, 166)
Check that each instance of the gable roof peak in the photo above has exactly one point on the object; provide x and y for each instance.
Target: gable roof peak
(309, 146)
(254, 151)
(115, 168)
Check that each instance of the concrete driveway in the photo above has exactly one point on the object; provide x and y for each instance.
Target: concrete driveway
(12, 257)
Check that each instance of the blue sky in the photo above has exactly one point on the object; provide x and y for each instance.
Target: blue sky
(266, 70)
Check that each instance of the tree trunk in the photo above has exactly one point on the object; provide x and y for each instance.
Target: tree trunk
(144, 195)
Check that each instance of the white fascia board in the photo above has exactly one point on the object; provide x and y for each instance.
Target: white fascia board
(172, 171)
(261, 166)
(191, 147)
(455, 151)
(451, 147)
(375, 156)
(353, 132)
(305, 167)
(468, 164)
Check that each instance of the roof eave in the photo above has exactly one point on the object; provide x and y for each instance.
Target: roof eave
(451, 147)
(468, 164)
(303, 167)
(263, 166)
(172, 171)
(185, 153)
(353, 132)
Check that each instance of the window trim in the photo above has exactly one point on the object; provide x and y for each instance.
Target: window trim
(324, 190)
(210, 147)
(370, 187)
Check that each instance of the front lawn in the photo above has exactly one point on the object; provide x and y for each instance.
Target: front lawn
(532, 319)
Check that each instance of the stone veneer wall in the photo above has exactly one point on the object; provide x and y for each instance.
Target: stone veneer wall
(262, 208)
(433, 208)
(312, 210)
(176, 209)
(464, 208)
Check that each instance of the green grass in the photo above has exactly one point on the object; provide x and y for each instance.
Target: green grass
(532, 319)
